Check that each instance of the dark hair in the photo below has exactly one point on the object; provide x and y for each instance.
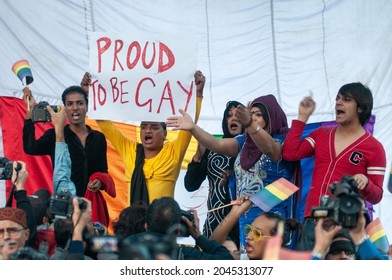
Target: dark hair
(131, 220)
(225, 128)
(273, 216)
(163, 124)
(162, 214)
(363, 96)
(264, 113)
(62, 231)
(73, 89)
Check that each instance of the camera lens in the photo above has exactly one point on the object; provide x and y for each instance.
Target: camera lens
(349, 205)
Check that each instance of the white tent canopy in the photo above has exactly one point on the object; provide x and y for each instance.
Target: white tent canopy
(246, 49)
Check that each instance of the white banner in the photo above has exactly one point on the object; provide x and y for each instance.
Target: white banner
(136, 77)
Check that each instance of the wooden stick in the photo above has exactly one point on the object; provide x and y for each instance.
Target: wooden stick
(217, 208)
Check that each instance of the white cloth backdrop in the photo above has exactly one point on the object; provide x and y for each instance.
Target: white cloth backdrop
(247, 48)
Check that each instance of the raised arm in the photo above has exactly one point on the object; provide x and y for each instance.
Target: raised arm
(221, 232)
(227, 146)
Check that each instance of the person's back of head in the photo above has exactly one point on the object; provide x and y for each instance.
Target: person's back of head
(131, 220)
(62, 231)
(40, 203)
(162, 214)
(363, 96)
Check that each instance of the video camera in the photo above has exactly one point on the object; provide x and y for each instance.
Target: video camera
(41, 114)
(343, 205)
(61, 206)
(6, 168)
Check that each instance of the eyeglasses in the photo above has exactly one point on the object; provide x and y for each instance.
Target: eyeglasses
(13, 232)
(256, 233)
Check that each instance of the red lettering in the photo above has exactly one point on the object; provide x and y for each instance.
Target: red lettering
(102, 49)
(135, 45)
(170, 98)
(123, 92)
(149, 101)
(148, 66)
(189, 93)
(115, 90)
(163, 49)
(99, 94)
(118, 45)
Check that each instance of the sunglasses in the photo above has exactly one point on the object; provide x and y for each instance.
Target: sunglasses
(256, 233)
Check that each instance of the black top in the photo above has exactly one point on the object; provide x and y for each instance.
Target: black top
(85, 160)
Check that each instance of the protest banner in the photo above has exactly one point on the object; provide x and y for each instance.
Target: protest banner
(138, 77)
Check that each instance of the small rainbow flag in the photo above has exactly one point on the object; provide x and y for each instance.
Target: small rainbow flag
(377, 236)
(273, 194)
(273, 249)
(22, 69)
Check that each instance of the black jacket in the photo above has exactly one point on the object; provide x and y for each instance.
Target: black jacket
(85, 160)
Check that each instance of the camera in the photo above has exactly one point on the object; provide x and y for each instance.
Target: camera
(183, 232)
(60, 205)
(28, 253)
(99, 228)
(343, 205)
(104, 244)
(148, 246)
(6, 168)
(41, 114)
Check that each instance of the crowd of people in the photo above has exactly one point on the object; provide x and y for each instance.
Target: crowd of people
(257, 149)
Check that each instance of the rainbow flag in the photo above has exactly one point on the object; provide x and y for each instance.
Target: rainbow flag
(273, 194)
(377, 236)
(22, 70)
(272, 248)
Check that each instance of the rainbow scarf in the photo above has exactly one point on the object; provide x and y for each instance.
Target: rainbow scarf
(22, 69)
(273, 194)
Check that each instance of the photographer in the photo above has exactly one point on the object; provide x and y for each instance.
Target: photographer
(80, 218)
(163, 222)
(74, 146)
(19, 177)
(17, 225)
(326, 229)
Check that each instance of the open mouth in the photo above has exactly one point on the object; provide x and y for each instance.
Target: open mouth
(248, 248)
(339, 112)
(233, 126)
(75, 116)
(148, 139)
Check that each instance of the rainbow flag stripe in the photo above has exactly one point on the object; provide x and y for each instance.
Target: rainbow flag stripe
(22, 70)
(273, 194)
(377, 235)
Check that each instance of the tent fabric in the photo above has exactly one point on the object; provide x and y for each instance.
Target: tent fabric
(246, 49)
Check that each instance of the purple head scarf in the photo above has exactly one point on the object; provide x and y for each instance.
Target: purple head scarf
(277, 125)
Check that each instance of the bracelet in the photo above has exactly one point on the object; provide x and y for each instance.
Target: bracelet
(360, 242)
(254, 132)
(318, 255)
